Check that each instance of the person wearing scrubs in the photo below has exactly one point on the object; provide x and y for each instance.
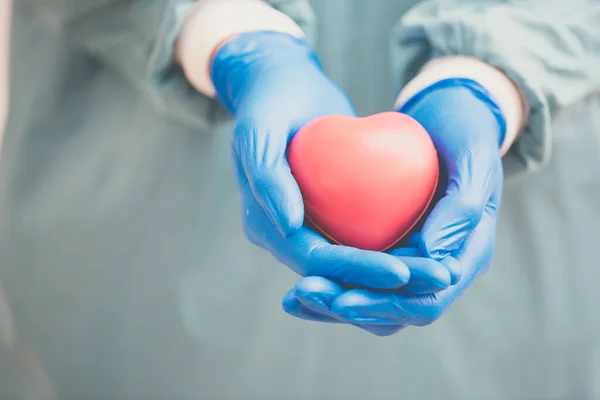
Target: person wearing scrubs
(152, 237)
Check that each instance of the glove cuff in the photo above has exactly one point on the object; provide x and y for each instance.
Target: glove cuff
(499, 88)
(475, 88)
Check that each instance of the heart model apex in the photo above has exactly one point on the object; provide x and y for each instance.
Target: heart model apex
(366, 182)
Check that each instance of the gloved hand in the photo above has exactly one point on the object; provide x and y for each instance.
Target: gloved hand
(467, 129)
(273, 84)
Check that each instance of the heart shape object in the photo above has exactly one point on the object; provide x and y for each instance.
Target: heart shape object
(366, 182)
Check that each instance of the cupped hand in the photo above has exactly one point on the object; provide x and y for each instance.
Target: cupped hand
(274, 84)
(467, 129)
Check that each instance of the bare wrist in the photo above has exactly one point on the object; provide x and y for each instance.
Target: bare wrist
(211, 23)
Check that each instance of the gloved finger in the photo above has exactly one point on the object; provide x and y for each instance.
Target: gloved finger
(363, 306)
(448, 262)
(311, 298)
(382, 330)
(294, 307)
(261, 138)
(308, 253)
(344, 264)
(261, 155)
(415, 276)
(426, 275)
(317, 294)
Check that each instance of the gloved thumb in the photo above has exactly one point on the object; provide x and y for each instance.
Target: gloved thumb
(262, 158)
(470, 185)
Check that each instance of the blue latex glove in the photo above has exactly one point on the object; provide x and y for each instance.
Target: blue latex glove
(273, 84)
(467, 129)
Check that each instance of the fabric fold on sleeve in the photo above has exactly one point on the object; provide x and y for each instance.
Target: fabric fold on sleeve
(551, 50)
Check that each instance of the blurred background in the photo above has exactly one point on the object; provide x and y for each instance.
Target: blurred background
(125, 273)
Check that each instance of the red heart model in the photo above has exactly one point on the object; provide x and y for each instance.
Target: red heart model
(367, 181)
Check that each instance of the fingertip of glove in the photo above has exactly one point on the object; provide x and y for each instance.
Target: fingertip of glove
(454, 269)
(375, 270)
(281, 200)
(288, 224)
(289, 303)
(316, 284)
(399, 275)
(349, 301)
(290, 217)
(385, 330)
(427, 276)
(440, 278)
(455, 278)
(289, 295)
(289, 230)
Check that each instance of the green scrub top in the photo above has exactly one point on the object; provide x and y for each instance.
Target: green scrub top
(124, 270)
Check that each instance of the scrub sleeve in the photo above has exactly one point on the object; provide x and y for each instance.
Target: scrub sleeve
(138, 39)
(555, 67)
